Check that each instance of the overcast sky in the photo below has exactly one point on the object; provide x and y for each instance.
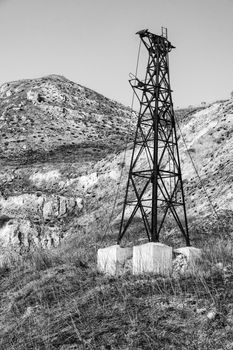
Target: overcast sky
(93, 42)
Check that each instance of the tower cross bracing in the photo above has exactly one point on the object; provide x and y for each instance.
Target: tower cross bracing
(154, 188)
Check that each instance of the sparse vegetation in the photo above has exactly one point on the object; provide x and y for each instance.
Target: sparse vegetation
(56, 300)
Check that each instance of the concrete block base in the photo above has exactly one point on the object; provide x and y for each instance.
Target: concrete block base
(113, 260)
(186, 259)
(192, 254)
(153, 258)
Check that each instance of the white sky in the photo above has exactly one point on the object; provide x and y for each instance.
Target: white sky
(93, 42)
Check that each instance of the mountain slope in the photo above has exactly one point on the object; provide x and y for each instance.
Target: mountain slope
(53, 117)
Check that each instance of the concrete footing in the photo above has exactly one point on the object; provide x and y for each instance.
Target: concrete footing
(191, 253)
(186, 259)
(152, 258)
(156, 258)
(113, 260)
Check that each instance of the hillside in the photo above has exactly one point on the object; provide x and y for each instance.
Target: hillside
(53, 132)
(42, 119)
(63, 167)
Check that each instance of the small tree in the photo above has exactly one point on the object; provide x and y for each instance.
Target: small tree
(232, 95)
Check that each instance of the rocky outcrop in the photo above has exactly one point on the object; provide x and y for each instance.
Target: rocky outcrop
(31, 220)
(37, 206)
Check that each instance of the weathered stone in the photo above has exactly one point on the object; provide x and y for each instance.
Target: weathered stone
(8, 93)
(50, 209)
(58, 206)
(79, 203)
(63, 206)
(211, 315)
(70, 204)
(179, 265)
(51, 237)
(21, 206)
(186, 260)
(18, 233)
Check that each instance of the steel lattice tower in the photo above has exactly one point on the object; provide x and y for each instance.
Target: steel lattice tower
(154, 187)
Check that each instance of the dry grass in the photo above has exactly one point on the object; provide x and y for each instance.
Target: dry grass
(57, 300)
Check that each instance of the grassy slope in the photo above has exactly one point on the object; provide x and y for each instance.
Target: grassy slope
(57, 300)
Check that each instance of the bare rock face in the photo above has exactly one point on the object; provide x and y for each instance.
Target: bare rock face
(58, 207)
(29, 220)
(43, 207)
(18, 233)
